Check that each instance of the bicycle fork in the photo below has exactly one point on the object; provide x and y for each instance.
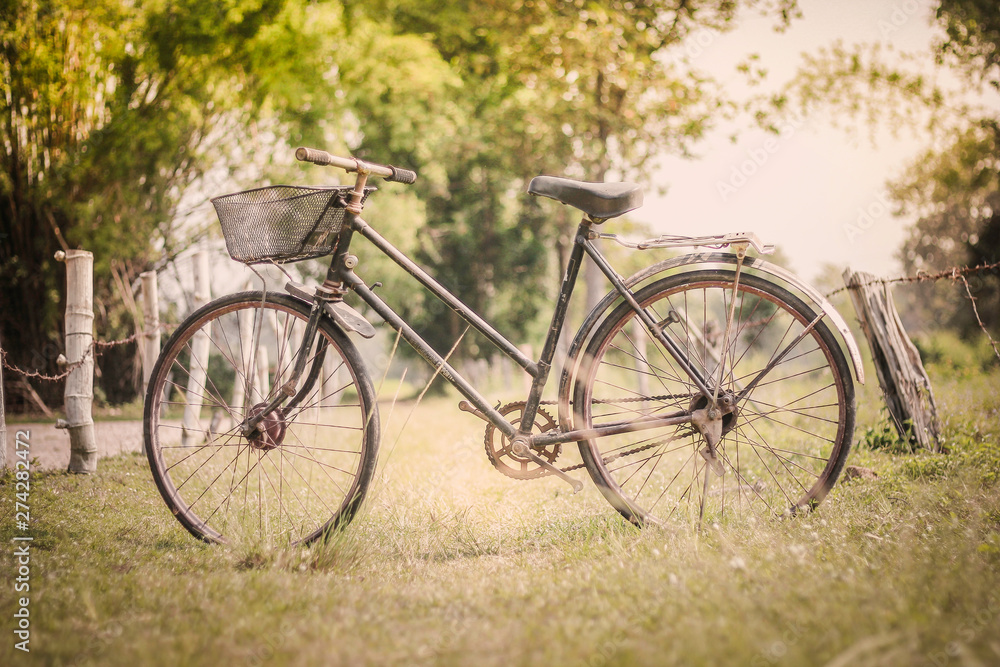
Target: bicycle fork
(250, 428)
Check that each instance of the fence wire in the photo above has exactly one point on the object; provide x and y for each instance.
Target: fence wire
(93, 349)
(955, 274)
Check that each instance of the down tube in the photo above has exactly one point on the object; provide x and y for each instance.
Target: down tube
(430, 355)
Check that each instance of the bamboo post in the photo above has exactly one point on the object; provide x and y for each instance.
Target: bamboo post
(151, 325)
(901, 375)
(191, 425)
(79, 393)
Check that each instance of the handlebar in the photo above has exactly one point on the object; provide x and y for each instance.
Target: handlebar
(388, 172)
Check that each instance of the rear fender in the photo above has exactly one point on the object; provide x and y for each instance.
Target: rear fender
(687, 263)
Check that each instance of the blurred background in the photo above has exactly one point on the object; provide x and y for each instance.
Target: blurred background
(859, 134)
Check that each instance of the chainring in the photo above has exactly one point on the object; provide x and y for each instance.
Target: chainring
(498, 446)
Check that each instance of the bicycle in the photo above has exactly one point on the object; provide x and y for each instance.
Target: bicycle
(706, 385)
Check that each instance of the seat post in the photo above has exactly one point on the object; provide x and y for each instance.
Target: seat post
(555, 327)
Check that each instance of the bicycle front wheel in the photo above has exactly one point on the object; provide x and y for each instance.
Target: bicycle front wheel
(309, 468)
(783, 447)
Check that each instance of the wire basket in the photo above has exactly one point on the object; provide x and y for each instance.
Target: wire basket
(282, 223)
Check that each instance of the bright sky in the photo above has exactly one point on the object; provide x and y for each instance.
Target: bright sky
(807, 187)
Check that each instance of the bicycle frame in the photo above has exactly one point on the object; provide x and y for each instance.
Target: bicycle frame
(681, 347)
(341, 277)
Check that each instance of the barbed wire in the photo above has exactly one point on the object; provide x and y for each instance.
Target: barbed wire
(955, 274)
(975, 310)
(92, 349)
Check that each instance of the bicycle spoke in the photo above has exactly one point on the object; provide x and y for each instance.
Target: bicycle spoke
(301, 471)
(778, 443)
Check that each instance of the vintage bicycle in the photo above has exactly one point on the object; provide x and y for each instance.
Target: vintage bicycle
(706, 386)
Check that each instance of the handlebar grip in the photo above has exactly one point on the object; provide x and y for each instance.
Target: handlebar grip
(400, 175)
(313, 155)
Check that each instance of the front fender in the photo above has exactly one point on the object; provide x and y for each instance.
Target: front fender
(701, 260)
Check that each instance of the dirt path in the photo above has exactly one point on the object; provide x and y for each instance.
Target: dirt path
(50, 446)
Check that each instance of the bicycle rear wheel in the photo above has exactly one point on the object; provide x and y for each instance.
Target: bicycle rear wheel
(782, 449)
(310, 470)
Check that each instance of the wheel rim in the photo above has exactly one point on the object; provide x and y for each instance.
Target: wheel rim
(788, 440)
(308, 468)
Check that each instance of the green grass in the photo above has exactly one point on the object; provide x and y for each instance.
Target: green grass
(451, 563)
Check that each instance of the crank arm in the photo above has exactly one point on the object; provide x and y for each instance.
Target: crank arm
(465, 406)
(520, 449)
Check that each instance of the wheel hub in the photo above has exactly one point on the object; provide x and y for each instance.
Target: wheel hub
(728, 409)
(270, 431)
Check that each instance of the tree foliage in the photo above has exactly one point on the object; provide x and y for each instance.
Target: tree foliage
(107, 106)
(114, 111)
(582, 89)
(972, 38)
(952, 192)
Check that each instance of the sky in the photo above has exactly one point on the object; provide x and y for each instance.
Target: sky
(812, 190)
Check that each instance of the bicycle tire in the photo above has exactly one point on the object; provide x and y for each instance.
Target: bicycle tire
(309, 474)
(784, 447)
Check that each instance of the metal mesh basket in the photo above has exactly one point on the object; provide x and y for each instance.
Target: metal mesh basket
(282, 223)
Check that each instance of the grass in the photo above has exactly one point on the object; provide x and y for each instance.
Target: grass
(451, 563)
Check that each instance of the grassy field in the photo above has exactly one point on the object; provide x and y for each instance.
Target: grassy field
(450, 563)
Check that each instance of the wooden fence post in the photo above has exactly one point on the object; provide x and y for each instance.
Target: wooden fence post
(151, 326)
(901, 375)
(79, 393)
(191, 426)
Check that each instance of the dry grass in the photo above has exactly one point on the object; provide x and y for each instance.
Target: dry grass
(453, 564)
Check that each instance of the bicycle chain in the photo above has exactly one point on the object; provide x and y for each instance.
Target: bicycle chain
(629, 452)
(665, 397)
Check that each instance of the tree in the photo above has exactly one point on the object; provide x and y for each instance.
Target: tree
(972, 38)
(113, 110)
(106, 108)
(951, 191)
(583, 89)
(954, 194)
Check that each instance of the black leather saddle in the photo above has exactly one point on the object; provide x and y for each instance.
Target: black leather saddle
(598, 200)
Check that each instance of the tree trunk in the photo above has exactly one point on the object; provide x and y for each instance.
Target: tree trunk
(3, 418)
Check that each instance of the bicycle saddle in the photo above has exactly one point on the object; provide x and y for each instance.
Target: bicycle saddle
(598, 200)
